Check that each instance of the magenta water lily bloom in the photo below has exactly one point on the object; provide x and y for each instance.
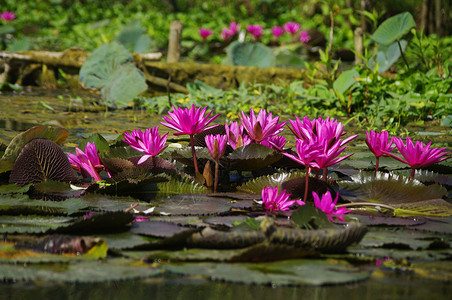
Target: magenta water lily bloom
(149, 142)
(304, 37)
(205, 33)
(227, 33)
(216, 144)
(328, 206)
(418, 155)
(7, 16)
(275, 201)
(261, 127)
(291, 27)
(276, 142)
(236, 138)
(255, 30)
(277, 31)
(87, 162)
(379, 145)
(189, 121)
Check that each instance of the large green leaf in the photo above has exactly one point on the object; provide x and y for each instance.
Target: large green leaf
(133, 36)
(393, 29)
(345, 80)
(110, 67)
(388, 55)
(250, 54)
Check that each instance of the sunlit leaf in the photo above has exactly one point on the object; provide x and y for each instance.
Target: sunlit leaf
(394, 28)
(249, 54)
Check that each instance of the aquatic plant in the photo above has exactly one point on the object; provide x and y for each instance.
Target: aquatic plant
(328, 206)
(216, 144)
(87, 162)
(189, 121)
(275, 201)
(418, 155)
(378, 144)
(277, 31)
(7, 16)
(305, 37)
(236, 138)
(261, 127)
(149, 142)
(227, 33)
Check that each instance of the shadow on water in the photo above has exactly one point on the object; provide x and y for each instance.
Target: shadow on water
(164, 288)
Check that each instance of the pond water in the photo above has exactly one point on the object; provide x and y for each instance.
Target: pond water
(426, 246)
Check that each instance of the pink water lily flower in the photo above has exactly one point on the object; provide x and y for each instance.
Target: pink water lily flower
(307, 152)
(149, 142)
(291, 27)
(227, 33)
(379, 145)
(276, 142)
(255, 30)
(87, 162)
(328, 206)
(331, 149)
(236, 138)
(7, 16)
(304, 37)
(216, 144)
(189, 121)
(234, 27)
(274, 201)
(418, 155)
(205, 33)
(277, 31)
(261, 127)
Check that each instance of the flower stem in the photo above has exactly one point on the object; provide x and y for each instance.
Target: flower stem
(216, 176)
(306, 187)
(325, 174)
(193, 152)
(413, 170)
(377, 161)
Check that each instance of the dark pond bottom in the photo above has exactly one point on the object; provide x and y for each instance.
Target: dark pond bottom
(159, 288)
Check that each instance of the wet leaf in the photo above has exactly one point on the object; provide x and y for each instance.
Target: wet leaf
(100, 202)
(388, 189)
(106, 222)
(216, 239)
(226, 221)
(252, 157)
(194, 204)
(23, 205)
(125, 240)
(32, 224)
(13, 189)
(289, 272)
(82, 272)
(41, 160)
(257, 184)
(157, 229)
(53, 133)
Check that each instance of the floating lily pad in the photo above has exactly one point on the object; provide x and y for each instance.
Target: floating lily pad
(124, 240)
(194, 204)
(22, 204)
(216, 239)
(256, 185)
(82, 272)
(13, 189)
(192, 221)
(289, 272)
(157, 229)
(99, 223)
(388, 189)
(226, 221)
(53, 133)
(252, 157)
(32, 224)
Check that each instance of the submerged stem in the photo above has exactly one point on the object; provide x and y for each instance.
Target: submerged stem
(413, 170)
(377, 161)
(193, 152)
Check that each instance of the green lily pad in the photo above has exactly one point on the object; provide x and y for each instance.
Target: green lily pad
(124, 240)
(388, 189)
(289, 272)
(22, 204)
(252, 157)
(32, 224)
(157, 229)
(82, 272)
(13, 189)
(194, 204)
(249, 54)
(256, 185)
(53, 133)
(106, 222)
